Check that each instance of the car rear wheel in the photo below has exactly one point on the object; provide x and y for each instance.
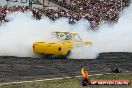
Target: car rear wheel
(67, 55)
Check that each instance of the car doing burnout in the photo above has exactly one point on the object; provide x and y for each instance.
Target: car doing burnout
(62, 48)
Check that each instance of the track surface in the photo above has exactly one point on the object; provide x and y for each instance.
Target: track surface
(19, 68)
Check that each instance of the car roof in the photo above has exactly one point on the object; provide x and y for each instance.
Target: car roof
(66, 32)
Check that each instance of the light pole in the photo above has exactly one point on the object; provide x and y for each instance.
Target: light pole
(121, 7)
(43, 3)
(7, 4)
(30, 3)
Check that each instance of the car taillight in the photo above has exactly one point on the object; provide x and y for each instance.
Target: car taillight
(59, 48)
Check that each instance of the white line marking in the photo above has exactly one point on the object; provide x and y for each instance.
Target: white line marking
(45, 79)
(35, 81)
(126, 71)
(108, 73)
(99, 74)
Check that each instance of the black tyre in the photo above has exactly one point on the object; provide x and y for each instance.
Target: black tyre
(65, 56)
(68, 54)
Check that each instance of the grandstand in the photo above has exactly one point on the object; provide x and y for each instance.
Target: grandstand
(95, 11)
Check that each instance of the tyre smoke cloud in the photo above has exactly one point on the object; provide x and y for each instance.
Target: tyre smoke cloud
(18, 35)
(116, 37)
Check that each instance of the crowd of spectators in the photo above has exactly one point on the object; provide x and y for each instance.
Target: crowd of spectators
(53, 14)
(4, 11)
(95, 11)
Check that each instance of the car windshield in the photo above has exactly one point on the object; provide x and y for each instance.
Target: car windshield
(78, 38)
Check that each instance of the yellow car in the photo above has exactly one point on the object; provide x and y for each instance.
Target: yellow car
(62, 48)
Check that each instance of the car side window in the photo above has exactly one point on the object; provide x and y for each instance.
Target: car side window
(64, 36)
(61, 35)
(68, 36)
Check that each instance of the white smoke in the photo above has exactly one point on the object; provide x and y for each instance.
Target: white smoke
(18, 35)
(84, 52)
(117, 37)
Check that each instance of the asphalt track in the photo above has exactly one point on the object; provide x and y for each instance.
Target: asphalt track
(26, 68)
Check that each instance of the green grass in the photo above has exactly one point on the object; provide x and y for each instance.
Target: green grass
(72, 83)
